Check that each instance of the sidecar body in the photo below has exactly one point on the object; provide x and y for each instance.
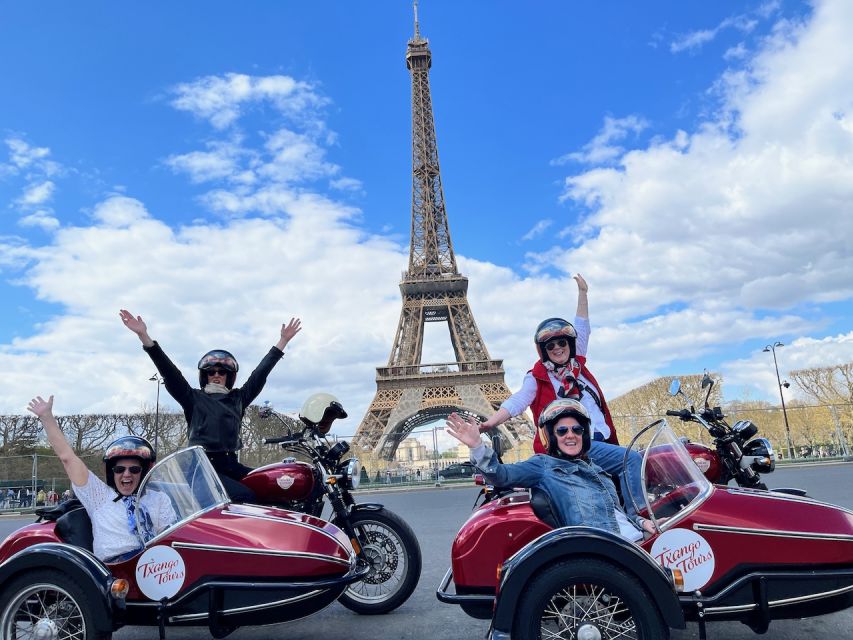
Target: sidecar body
(720, 553)
(217, 564)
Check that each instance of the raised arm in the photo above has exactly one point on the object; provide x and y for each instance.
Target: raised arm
(74, 467)
(583, 299)
(137, 325)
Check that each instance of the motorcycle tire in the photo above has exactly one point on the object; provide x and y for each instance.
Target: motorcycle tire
(587, 598)
(393, 551)
(50, 600)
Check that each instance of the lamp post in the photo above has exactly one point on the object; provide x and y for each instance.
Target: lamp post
(435, 430)
(158, 381)
(772, 348)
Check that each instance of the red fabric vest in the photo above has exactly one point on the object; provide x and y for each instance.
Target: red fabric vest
(545, 395)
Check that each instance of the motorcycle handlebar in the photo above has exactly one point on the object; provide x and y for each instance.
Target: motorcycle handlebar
(282, 440)
(684, 414)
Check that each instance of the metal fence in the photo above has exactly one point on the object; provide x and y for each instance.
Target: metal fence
(817, 433)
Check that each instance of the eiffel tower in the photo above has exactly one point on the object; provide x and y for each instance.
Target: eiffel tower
(410, 393)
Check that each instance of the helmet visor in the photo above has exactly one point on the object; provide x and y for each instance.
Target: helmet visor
(218, 359)
(560, 408)
(555, 328)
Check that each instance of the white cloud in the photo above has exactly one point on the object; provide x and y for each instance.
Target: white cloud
(40, 218)
(758, 373)
(601, 150)
(346, 184)
(22, 155)
(537, 229)
(222, 99)
(744, 23)
(36, 194)
(760, 218)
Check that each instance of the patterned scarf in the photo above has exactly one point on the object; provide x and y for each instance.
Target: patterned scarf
(130, 507)
(568, 375)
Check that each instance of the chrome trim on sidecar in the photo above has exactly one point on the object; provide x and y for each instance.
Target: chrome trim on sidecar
(778, 603)
(254, 607)
(773, 533)
(261, 552)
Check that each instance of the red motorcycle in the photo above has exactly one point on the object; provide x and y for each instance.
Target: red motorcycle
(719, 553)
(218, 565)
(736, 453)
(380, 537)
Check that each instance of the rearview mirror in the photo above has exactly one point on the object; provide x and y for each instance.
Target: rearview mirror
(674, 387)
(265, 410)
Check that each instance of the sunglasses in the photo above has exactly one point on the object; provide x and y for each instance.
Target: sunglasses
(120, 468)
(217, 372)
(563, 429)
(562, 343)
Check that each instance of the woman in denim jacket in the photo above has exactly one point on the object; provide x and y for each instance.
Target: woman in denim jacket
(581, 493)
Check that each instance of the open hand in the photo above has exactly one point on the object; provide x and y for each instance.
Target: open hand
(466, 430)
(41, 407)
(583, 287)
(134, 323)
(290, 329)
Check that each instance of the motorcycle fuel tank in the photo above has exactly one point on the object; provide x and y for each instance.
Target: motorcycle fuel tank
(282, 481)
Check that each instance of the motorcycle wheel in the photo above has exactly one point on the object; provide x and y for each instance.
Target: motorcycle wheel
(587, 598)
(46, 604)
(395, 558)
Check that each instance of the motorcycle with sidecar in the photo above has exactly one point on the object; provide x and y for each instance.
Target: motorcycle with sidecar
(380, 537)
(718, 553)
(218, 565)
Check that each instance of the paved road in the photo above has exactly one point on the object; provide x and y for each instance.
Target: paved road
(435, 515)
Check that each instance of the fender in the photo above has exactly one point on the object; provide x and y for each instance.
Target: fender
(89, 572)
(568, 542)
(367, 506)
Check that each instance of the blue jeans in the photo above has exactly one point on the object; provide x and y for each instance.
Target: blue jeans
(610, 457)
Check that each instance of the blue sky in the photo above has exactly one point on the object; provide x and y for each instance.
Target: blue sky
(219, 168)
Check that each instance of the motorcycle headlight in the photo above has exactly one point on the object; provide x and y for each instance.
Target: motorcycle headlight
(761, 451)
(745, 429)
(351, 472)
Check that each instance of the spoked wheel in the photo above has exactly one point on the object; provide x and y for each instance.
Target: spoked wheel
(394, 555)
(587, 600)
(46, 605)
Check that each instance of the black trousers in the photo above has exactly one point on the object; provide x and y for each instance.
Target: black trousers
(230, 472)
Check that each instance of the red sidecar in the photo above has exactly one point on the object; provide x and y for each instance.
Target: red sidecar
(217, 564)
(720, 553)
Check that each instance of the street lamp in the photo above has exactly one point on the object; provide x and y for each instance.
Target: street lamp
(772, 348)
(158, 381)
(435, 429)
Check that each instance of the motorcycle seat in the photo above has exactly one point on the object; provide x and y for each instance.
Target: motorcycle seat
(540, 503)
(75, 527)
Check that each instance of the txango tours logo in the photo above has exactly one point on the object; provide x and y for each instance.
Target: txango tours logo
(160, 572)
(688, 551)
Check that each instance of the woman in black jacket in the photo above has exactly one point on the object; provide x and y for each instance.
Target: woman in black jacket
(214, 412)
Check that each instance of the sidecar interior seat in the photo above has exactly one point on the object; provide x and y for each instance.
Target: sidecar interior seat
(541, 505)
(75, 527)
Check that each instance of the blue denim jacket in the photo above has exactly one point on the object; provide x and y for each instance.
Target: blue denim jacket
(580, 492)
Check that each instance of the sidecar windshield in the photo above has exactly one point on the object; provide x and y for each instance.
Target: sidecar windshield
(673, 483)
(177, 489)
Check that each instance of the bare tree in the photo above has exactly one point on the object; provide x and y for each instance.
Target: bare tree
(826, 385)
(18, 434)
(88, 433)
(647, 403)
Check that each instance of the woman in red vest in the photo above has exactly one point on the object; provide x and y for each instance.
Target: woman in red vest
(561, 372)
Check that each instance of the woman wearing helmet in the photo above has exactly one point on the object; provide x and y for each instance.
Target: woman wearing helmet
(561, 372)
(111, 505)
(214, 412)
(580, 492)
